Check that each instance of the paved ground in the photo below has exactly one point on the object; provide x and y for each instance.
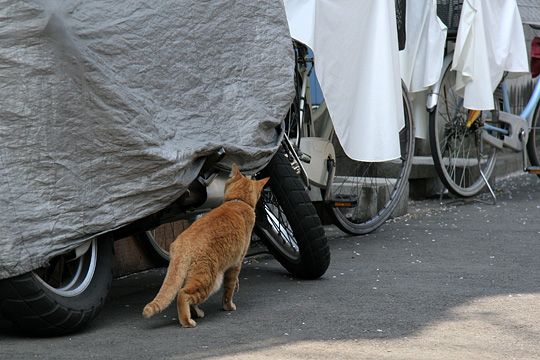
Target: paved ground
(455, 281)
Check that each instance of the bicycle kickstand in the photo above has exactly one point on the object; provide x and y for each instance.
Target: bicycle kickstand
(487, 182)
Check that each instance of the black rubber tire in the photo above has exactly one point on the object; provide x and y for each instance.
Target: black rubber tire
(533, 142)
(36, 310)
(359, 220)
(465, 180)
(313, 254)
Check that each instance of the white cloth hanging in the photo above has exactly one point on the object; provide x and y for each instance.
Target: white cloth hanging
(421, 60)
(357, 64)
(490, 41)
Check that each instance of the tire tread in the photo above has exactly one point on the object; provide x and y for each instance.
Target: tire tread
(303, 218)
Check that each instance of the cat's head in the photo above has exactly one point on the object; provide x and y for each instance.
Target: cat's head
(243, 188)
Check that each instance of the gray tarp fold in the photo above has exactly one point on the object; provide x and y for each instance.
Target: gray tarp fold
(106, 106)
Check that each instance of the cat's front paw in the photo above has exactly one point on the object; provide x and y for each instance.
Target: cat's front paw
(229, 306)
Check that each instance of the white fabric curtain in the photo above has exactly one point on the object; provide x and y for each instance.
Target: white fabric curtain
(490, 41)
(422, 59)
(357, 63)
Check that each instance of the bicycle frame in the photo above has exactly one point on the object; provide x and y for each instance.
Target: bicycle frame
(527, 112)
(316, 115)
(515, 133)
(320, 171)
(531, 105)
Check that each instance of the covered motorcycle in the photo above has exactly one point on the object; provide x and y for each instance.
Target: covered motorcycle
(107, 112)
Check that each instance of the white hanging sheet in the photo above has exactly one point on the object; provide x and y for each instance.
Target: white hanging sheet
(490, 41)
(421, 60)
(357, 63)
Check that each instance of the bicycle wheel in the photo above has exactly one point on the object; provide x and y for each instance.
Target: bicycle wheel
(288, 223)
(377, 187)
(458, 152)
(62, 297)
(533, 143)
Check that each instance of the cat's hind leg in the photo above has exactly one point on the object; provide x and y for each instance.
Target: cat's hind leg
(230, 283)
(196, 311)
(183, 308)
(193, 293)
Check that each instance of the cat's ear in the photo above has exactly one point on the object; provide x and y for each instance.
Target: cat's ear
(263, 182)
(235, 171)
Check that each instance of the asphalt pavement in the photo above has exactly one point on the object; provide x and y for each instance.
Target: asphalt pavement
(449, 280)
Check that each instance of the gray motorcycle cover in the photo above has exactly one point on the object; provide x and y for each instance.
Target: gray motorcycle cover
(106, 109)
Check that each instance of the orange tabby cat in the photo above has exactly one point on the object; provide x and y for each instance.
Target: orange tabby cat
(210, 252)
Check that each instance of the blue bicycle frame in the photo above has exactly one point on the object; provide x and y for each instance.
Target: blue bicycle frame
(525, 114)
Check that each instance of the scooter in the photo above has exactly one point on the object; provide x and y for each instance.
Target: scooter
(66, 295)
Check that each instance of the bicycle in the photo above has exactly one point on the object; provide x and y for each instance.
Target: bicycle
(464, 143)
(360, 196)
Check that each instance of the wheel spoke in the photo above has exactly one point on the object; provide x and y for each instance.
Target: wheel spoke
(458, 150)
(280, 231)
(377, 184)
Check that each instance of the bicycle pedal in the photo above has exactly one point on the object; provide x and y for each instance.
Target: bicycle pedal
(343, 201)
(533, 170)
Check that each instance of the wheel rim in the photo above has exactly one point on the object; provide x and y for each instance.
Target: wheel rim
(369, 183)
(278, 229)
(460, 150)
(67, 276)
(378, 184)
(161, 237)
(156, 244)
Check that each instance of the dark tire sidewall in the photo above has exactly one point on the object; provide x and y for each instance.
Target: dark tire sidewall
(309, 234)
(36, 310)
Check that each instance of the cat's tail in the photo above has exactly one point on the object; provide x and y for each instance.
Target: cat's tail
(176, 273)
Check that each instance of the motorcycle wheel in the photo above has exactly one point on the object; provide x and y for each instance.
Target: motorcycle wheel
(158, 240)
(288, 223)
(62, 297)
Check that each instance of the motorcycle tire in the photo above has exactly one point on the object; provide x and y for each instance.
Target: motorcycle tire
(41, 303)
(288, 223)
